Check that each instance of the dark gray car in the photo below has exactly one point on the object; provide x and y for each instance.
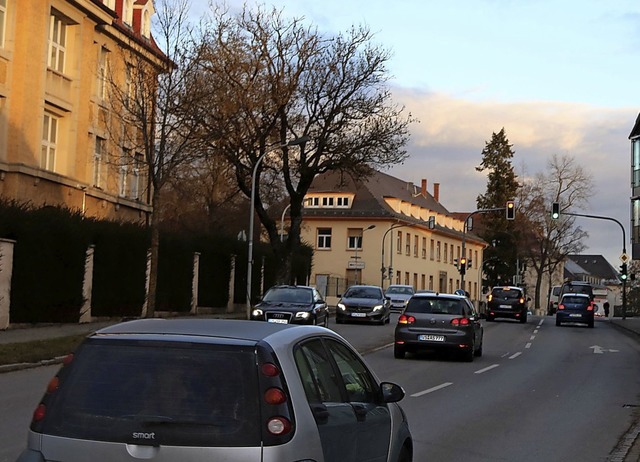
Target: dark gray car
(439, 322)
(210, 389)
(287, 304)
(364, 303)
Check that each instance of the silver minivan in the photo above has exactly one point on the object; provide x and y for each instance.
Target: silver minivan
(211, 389)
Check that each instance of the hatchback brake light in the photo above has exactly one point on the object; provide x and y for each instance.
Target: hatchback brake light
(404, 319)
(460, 322)
(590, 307)
(560, 306)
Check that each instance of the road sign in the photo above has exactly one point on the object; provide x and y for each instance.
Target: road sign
(624, 258)
(355, 265)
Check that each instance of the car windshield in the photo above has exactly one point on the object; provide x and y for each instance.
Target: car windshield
(435, 306)
(288, 295)
(400, 291)
(363, 292)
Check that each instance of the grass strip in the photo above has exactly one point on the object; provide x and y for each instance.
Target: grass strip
(38, 350)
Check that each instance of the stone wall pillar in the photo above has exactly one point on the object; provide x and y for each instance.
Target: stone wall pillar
(232, 285)
(194, 283)
(6, 269)
(87, 285)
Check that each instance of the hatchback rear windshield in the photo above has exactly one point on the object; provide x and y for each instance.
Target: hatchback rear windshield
(575, 300)
(435, 306)
(506, 293)
(184, 394)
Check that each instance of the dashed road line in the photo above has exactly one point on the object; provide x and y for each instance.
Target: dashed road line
(515, 355)
(481, 371)
(528, 345)
(431, 390)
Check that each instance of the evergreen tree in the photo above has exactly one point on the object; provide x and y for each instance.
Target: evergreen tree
(501, 260)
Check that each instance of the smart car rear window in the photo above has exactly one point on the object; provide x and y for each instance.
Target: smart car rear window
(184, 394)
(506, 293)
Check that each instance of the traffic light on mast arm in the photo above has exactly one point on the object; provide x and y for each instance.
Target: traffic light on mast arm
(555, 210)
(463, 265)
(511, 210)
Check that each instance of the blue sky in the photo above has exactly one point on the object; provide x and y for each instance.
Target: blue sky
(560, 76)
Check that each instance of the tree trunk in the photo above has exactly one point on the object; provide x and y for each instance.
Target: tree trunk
(155, 253)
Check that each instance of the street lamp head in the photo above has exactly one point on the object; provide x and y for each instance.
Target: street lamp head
(370, 227)
(298, 141)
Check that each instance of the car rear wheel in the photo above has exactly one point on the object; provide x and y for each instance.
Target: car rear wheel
(478, 352)
(523, 319)
(405, 455)
(398, 352)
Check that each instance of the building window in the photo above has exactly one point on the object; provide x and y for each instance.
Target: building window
(57, 43)
(432, 250)
(324, 238)
(430, 283)
(124, 170)
(127, 12)
(129, 90)
(135, 178)
(101, 83)
(311, 202)
(635, 145)
(98, 160)
(406, 278)
(354, 239)
(399, 242)
(327, 201)
(49, 142)
(407, 244)
(438, 257)
(110, 3)
(422, 281)
(451, 253)
(415, 246)
(424, 248)
(343, 202)
(146, 24)
(3, 21)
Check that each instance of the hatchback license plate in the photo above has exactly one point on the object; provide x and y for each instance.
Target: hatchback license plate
(505, 306)
(432, 338)
(279, 321)
(358, 315)
(575, 315)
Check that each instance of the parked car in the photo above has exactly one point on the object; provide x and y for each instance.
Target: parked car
(292, 305)
(364, 303)
(507, 302)
(399, 295)
(439, 322)
(554, 298)
(574, 307)
(214, 389)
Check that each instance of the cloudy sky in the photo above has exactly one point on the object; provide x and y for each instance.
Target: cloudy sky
(560, 76)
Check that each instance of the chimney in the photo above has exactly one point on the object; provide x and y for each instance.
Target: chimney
(424, 188)
(436, 191)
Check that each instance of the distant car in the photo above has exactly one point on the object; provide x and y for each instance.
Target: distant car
(577, 287)
(554, 297)
(574, 307)
(213, 389)
(507, 302)
(439, 322)
(292, 305)
(399, 295)
(364, 303)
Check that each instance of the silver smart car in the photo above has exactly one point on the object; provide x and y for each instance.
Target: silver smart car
(209, 389)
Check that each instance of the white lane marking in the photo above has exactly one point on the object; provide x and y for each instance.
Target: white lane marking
(532, 337)
(535, 331)
(541, 321)
(431, 390)
(528, 345)
(481, 371)
(515, 355)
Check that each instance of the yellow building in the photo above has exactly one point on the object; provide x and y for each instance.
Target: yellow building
(382, 231)
(59, 133)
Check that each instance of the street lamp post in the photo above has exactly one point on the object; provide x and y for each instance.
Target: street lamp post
(296, 142)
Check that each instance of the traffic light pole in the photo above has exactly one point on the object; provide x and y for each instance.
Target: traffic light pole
(624, 252)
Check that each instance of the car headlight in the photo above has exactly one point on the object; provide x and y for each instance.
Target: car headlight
(377, 308)
(341, 306)
(256, 313)
(303, 315)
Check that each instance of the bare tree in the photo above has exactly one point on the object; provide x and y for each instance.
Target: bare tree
(549, 241)
(271, 80)
(151, 112)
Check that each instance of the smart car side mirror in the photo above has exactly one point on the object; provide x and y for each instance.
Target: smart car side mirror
(391, 392)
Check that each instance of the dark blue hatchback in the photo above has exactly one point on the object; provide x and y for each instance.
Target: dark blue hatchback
(575, 308)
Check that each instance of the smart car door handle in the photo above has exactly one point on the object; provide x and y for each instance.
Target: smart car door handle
(320, 413)
(361, 412)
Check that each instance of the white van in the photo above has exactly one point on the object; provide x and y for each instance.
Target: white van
(554, 298)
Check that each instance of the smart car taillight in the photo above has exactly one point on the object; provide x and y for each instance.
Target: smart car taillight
(39, 413)
(53, 385)
(590, 307)
(278, 426)
(270, 370)
(404, 319)
(560, 306)
(275, 396)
